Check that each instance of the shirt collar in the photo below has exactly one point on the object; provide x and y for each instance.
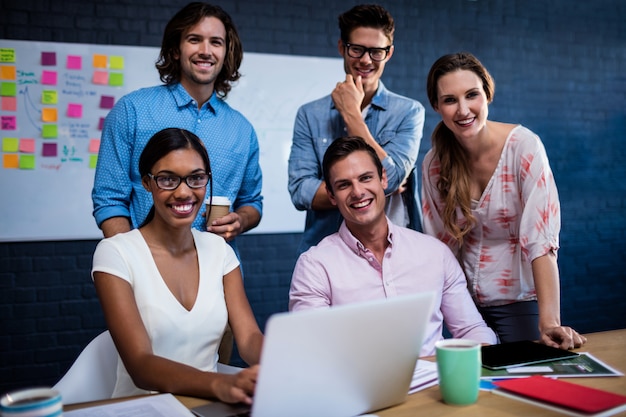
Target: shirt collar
(183, 99)
(355, 245)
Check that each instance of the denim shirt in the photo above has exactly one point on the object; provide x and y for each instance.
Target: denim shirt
(395, 122)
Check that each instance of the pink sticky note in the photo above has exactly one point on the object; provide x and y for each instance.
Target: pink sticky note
(9, 104)
(101, 77)
(94, 145)
(106, 102)
(74, 110)
(101, 123)
(48, 58)
(74, 62)
(49, 77)
(8, 123)
(27, 145)
(49, 149)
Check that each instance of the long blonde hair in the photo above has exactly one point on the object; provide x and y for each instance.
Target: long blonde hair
(454, 178)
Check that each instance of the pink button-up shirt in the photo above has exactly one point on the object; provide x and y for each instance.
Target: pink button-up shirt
(340, 270)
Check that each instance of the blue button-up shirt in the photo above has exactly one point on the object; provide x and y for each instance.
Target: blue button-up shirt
(395, 122)
(228, 136)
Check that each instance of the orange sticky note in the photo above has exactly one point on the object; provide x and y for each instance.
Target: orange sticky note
(27, 145)
(7, 72)
(49, 114)
(10, 160)
(99, 61)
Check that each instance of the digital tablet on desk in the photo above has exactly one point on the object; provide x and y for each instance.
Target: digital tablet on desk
(526, 352)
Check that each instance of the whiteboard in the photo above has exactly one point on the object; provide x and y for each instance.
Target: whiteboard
(46, 182)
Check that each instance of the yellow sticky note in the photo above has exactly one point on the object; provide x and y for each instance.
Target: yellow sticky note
(116, 62)
(27, 161)
(49, 114)
(10, 160)
(99, 61)
(116, 79)
(10, 145)
(93, 161)
(49, 97)
(7, 55)
(7, 72)
(49, 131)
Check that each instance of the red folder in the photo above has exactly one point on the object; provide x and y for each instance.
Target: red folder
(563, 394)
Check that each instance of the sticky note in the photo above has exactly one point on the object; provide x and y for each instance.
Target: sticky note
(8, 123)
(11, 160)
(74, 62)
(8, 103)
(27, 145)
(49, 149)
(106, 102)
(7, 72)
(49, 114)
(99, 61)
(116, 62)
(7, 55)
(101, 123)
(49, 97)
(10, 144)
(49, 131)
(101, 77)
(48, 58)
(116, 79)
(8, 89)
(49, 77)
(94, 145)
(27, 161)
(93, 161)
(75, 110)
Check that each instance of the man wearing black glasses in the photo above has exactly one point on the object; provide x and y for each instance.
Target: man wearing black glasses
(361, 106)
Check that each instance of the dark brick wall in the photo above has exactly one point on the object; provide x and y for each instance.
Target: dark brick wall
(559, 69)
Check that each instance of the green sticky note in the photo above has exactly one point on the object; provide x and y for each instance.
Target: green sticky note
(49, 131)
(93, 160)
(8, 89)
(10, 145)
(116, 79)
(116, 62)
(49, 97)
(27, 161)
(7, 55)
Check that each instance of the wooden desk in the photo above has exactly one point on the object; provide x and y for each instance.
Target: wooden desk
(609, 347)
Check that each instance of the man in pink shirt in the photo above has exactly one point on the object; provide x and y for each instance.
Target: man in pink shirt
(371, 258)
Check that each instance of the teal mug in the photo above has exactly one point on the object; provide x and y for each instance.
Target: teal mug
(459, 366)
(31, 402)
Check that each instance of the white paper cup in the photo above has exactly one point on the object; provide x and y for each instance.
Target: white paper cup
(220, 208)
(31, 402)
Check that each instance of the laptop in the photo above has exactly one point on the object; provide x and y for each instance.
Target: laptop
(336, 362)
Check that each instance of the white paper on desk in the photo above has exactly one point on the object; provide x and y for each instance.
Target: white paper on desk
(160, 405)
(424, 376)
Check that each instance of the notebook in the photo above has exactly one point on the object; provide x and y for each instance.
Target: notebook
(337, 362)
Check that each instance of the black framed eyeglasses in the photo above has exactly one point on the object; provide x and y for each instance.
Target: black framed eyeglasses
(376, 54)
(171, 182)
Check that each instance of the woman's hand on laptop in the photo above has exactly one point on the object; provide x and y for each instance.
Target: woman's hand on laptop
(237, 388)
(562, 337)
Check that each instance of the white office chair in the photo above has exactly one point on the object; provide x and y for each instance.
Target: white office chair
(92, 376)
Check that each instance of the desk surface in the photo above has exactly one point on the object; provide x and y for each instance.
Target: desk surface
(609, 347)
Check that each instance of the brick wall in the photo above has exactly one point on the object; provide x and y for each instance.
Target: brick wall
(559, 69)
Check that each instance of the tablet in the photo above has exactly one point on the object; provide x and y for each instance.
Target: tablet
(526, 352)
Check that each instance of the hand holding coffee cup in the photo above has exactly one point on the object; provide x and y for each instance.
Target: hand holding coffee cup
(216, 207)
(459, 365)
